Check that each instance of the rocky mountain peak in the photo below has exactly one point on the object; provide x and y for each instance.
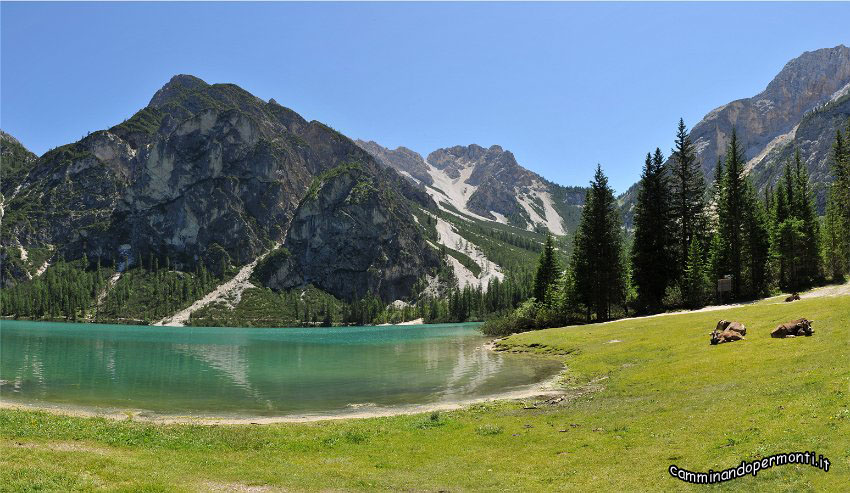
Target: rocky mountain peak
(15, 161)
(407, 162)
(486, 183)
(813, 72)
(8, 139)
(178, 84)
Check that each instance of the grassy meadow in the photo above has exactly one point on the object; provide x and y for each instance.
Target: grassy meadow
(640, 395)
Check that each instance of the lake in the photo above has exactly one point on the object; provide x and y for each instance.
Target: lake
(254, 372)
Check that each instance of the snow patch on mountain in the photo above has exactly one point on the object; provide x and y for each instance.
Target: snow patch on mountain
(42, 269)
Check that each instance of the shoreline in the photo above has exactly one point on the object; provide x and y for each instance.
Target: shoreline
(139, 323)
(546, 388)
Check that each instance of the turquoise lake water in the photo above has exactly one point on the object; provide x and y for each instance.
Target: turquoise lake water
(253, 372)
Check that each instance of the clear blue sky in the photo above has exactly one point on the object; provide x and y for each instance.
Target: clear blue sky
(563, 86)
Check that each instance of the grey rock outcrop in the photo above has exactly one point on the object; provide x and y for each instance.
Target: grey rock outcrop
(401, 159)
(352, 236)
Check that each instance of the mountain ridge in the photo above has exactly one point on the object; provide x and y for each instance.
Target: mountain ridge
(486, 184)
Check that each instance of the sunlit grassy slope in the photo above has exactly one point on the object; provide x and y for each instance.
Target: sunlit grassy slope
(662, 395)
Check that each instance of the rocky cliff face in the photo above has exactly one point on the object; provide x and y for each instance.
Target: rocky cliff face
(15, 162)
(487, 184)
(814, 137)
(769, 123)
(201, 164)
(353, 235)
(805, 83)
(407, 162)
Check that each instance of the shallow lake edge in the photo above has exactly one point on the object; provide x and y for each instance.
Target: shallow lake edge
(547, 388)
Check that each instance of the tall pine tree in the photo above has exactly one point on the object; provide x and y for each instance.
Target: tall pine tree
(599, 279)
(836, 242)
(742, 229)
(695, 282)
(834, 237)
(730, 213)
(756, 246)
(652, 256)
(796, 234)
(548, 272)
(804, 209)
(688, 195)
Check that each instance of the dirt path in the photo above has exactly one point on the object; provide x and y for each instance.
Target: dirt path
(832, 290)
(229, 292)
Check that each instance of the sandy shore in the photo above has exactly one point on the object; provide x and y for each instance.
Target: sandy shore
(541, 390)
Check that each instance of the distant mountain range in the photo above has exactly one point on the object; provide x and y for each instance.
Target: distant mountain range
(486, 184)
(209, 167)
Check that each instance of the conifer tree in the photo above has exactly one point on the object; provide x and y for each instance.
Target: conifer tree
(837, 222)
(548, 271)
(804, 210)
(795, 236)
(716, 258)
(599, 281)
(717, 186)
(695, 281)
(652, 256)
(834, 237)
(688, 195)
(756, 246)
(730, 213)
(742, 229)
(779, 233)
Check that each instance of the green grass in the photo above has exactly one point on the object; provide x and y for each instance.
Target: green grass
(661, 396)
